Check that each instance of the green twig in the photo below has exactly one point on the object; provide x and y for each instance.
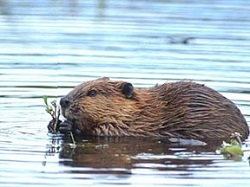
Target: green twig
(72, 138)
(54, 111)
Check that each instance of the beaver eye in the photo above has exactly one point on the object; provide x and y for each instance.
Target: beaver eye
(92, 93)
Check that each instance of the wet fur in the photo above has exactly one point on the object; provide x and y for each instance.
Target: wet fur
(180, 109)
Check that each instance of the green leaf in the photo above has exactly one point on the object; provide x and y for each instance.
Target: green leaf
(234, 142)
(234, 150)
(53, 102)
(49, 109)
(45, 99)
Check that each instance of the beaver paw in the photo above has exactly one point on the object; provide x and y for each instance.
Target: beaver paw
(53, 127)
(66, 127)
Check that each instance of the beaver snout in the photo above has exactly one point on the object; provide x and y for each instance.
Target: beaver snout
(64, 102)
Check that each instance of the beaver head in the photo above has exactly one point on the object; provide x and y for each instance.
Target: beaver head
(100, 107)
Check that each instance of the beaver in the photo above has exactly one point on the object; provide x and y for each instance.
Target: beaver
(183, 109)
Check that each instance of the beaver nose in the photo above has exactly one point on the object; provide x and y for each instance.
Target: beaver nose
(64, 102)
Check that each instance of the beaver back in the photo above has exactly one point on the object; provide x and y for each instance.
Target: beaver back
(195, 111)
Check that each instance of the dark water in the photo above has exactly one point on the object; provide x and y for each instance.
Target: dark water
(49, 46)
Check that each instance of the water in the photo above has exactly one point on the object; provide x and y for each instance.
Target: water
(48, 47)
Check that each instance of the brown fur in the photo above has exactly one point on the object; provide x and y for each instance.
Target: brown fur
(180, 109)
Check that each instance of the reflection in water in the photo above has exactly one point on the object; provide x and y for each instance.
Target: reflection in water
(129, 152)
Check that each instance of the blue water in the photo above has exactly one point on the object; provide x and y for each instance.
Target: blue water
(48, 47)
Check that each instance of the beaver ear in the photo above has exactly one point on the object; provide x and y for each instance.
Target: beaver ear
(127, 90)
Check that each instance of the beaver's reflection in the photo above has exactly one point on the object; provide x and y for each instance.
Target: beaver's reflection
(135, 153)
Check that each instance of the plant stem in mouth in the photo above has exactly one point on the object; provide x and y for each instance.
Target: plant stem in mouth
(54, 111)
